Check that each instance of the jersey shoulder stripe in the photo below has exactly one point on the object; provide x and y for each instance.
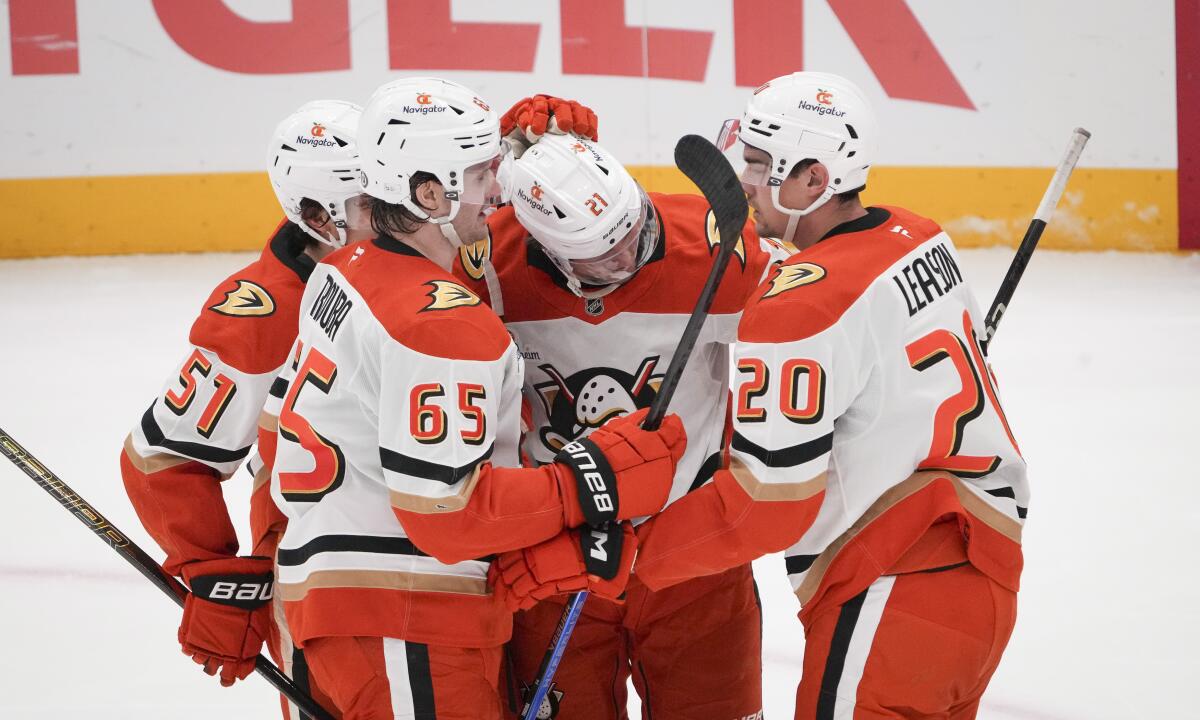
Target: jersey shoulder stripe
(249, 319)
(810, 291)
(418, 304)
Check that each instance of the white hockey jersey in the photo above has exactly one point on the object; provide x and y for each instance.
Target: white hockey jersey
(203, 424)
(587, 361)
(865, 414)
(405, 389)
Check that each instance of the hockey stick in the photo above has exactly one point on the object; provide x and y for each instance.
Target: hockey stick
(136, 557)
(1045, 211)
(705, 166)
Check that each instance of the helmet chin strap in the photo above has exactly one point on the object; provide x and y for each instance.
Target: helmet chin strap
(449, 232)
(793, 214)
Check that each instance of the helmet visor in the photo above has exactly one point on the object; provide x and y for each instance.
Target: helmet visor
(482, 182)
(624, 258)
(750, 173)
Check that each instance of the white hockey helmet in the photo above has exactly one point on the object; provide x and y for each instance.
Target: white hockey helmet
(807, 116)
(313, 155)
(584, 208)
(426, 124)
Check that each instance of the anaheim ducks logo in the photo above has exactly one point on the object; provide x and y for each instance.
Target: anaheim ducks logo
(789, 277)
(444, 295)
(578, 404)
(714, 238)
(475, 256)
(246, 300)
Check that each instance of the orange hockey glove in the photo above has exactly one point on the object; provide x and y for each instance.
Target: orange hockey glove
(227, 616)
(594, 560)
(532, 117)
(620, 471)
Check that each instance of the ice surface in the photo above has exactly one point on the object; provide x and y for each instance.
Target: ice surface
(1098, 363)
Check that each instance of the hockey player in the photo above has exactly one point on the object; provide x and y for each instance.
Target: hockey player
(868, 442)
(203, 425)
(595, 279)
(402, 407)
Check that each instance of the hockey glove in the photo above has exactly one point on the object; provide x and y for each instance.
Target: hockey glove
(594, 560)
(228, 615)
(532, 117)
(620, 471)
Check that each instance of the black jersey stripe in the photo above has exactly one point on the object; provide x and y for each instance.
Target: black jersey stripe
(709, 468)
(348, 543)
(1005, 492)
(799, 563)
(196, 451)
(788, 456)
(408, 465)
(353, 543)
(279, 388)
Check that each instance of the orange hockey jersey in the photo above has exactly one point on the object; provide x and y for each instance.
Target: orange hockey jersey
(203, 425)
(864, 414)
(587, 361)
(403, 398)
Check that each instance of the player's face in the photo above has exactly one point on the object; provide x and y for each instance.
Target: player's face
(616, 265)
(768, 220)
(481, 194)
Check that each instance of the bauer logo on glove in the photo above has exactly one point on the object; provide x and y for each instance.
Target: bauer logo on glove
(245, 591)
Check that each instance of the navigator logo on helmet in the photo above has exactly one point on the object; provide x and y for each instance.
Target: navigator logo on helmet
(313, 155)
(446, 134)
(591, 218)
(807, 116)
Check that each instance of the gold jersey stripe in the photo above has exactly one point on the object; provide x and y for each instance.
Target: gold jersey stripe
(383, 580)
(913, 484)
(428, 505)
(763, 491)
(155, 462)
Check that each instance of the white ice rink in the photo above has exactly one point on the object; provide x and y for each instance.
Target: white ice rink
(1099, 365)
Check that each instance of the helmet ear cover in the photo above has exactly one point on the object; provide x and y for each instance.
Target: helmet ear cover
(313, 156)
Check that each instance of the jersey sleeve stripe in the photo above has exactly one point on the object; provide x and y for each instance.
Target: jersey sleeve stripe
(279, 388)
(352, 543)
(773, 491)
(150, 464)
(788, 456)
(710, 466)
(799, 563)
(426, 470)
(196, 451)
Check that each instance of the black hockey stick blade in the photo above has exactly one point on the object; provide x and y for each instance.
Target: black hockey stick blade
(143, 563)
(705, 166)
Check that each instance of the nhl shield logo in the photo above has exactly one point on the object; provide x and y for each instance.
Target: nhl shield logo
(550, 704)
(594, 306)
